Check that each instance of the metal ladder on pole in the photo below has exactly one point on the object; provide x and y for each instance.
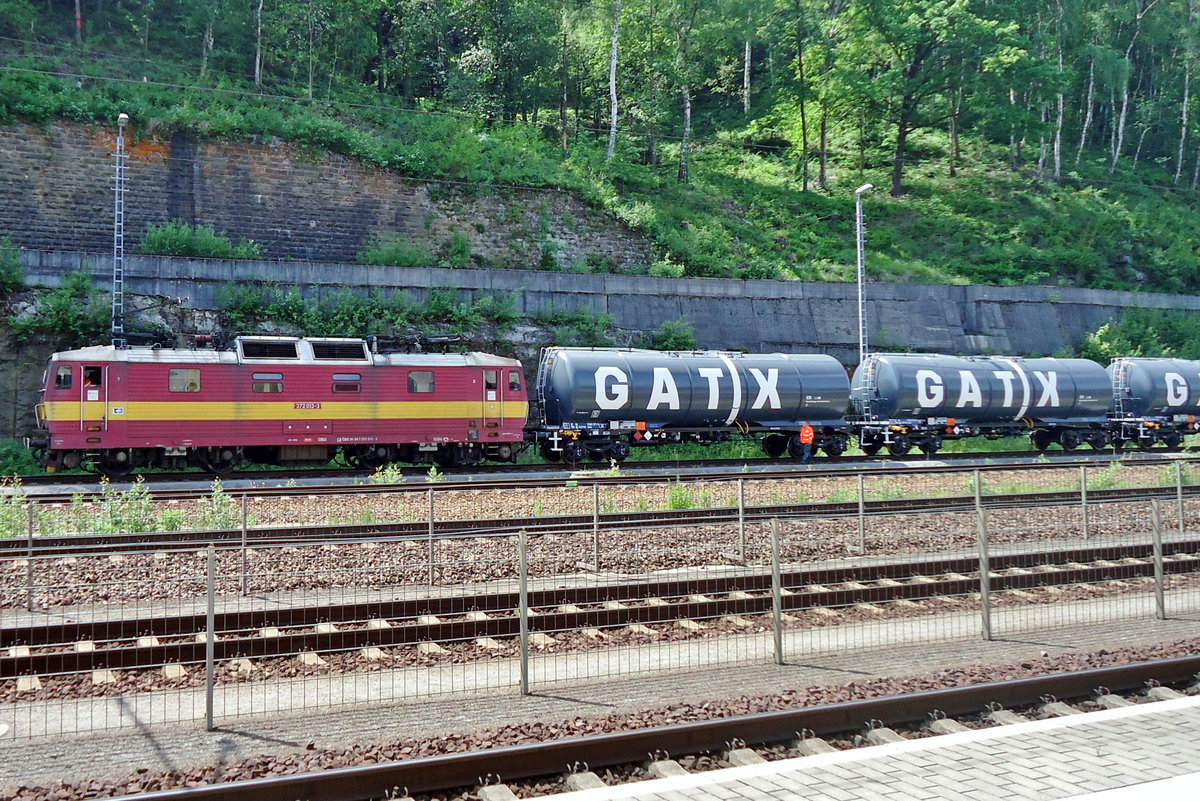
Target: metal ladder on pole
(118, 276)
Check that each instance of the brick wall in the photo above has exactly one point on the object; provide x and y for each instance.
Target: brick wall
(56, 194)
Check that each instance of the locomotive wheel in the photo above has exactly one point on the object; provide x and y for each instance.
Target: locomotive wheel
(113, 466)
(1070, 439)
(1040, 439)
(775, 445)
(551, 455)
(930, 446)
(573, 452)
(899, 445)
(619, 451)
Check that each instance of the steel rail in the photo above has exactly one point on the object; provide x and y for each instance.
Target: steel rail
(237, 638)
(464, 770)
(643, 473)
(88, 544)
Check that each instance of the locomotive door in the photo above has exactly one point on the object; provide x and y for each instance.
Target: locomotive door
(493, 400)
(93, 398)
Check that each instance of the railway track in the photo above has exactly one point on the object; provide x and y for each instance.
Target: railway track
(293, 535)
(536, 476)
(450, 773)
(143, 643)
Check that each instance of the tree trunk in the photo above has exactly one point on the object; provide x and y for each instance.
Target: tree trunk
(206, 48)
(1183, 118)
(1119, 142)
(1087, 104)
(562, 106)
(1043, 149)
(612, 83)
(823, 176)
(1059, 100)
(78, 25)
(803, 115)
(684, 176)
(898, 159)
(258, 46)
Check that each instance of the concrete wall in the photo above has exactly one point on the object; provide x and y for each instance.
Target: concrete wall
(751, 315)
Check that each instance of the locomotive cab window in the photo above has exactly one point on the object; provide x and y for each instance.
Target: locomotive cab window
(183, 380)
(347, 382)
(420, 381)
(268, 382)
(514, 379)
(490, 377)
(62, 378)
(93, 376)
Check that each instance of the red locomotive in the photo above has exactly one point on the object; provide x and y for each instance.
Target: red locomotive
(278, 400)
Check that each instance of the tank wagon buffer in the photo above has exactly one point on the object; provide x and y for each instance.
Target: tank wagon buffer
(277, 400)
(1154, 401)
(596, 404)
(904, 401)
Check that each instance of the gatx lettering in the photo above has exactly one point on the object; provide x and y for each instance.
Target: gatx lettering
(612, 388)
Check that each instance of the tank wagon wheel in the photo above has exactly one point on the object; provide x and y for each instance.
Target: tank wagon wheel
(1070, 439)
(573, 452)
(549, 454)
(900, 445)
(930, 446)
(775, 445)
(835, 446)
(1172, 439)
(619, 451)
(794, 447)
(1146, 443)
(870, 444)
(1099, 440)
(1040, 439)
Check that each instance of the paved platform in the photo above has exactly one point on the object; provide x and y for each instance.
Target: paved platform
(1138, 752)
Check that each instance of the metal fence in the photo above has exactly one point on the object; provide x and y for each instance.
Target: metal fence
(749, 571)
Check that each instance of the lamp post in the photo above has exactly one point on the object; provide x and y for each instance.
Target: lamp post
(862, 303)
(118, 276)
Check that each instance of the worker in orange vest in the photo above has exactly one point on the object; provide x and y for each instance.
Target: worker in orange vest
(806, 439)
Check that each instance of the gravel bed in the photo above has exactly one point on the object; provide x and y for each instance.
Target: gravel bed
(311, 758)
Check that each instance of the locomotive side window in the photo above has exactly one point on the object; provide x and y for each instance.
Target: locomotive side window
(184, 380)
(268, 382)
(347, 382)
(514, 379)
(93, 376)
(490, 377)
(420, 381)
(62, 379)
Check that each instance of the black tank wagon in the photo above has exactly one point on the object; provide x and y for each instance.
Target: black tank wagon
(596, 403)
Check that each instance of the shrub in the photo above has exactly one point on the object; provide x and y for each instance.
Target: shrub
(71, 316)
(457, 251)
(12, 277)
(394, 250)
(671, 335)
(177, 238)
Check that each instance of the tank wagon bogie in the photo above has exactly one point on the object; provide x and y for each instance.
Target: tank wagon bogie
(278, 400)
(598, 403)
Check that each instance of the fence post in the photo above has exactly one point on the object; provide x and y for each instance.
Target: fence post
(1083, 497)
(862, 518)
(742, 520)
(985, 579)
(523, 570)
(596, 527)
(430, 553)
(210, 638)
(1179, 494)
(1160, 603)
(245, 581)
(29, 560)
(776, 592)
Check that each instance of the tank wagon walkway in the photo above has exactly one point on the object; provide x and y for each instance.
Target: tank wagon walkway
(1137, 752)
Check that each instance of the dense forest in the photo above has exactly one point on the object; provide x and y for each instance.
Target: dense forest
(1010, 141)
